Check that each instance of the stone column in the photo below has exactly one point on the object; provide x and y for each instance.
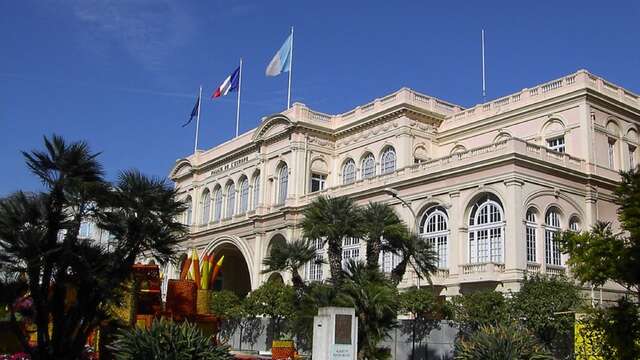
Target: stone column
(515, 249)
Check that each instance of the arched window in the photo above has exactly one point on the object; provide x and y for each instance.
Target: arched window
(256, 191)
(531, 229)
(244, 195)
(206, 207)
(188, 214)
(368, 166)
(349, 172)
(434, 228)
(231, 200)
(551, 233)
(574, 224)
(388, 161)
(218, 205)
(486, 230)
(283, 183)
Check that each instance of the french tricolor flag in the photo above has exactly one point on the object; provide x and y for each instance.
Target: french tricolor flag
(228, 85)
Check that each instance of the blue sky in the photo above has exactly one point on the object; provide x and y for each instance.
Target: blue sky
(123, 75)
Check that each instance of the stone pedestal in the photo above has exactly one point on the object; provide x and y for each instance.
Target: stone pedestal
(335, 334)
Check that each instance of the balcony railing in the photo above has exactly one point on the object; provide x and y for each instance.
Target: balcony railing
(469, 269)
(533, 268)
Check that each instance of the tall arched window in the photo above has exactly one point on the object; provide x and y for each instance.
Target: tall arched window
(531, 230)
(349, 172)
(486, 230)
(368, 166)
(244, 196)
(231, 200)
(256, 191)
(388, 161)
(283, 183)
(434, 229)
(188, 214)
(218, 205)
(206, 207)
(551, 233)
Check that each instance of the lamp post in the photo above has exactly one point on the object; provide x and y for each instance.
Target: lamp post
(395, 194)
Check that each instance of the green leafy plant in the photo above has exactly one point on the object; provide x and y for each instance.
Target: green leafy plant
(546, 306)
(500, 342)
(375, 300)
(477, 309)
(290, 256)
(275, 301)
(332, 219)
(167, 340)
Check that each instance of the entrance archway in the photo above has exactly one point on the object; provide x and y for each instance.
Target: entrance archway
(234, 274)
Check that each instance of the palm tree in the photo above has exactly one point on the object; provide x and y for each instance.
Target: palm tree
(39, 237)
(332, 220)
(380, 221)
(290, 256)
(501, 342)
(375, 301)
(414, 252)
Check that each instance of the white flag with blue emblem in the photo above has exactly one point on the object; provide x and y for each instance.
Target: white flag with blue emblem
(282, 59)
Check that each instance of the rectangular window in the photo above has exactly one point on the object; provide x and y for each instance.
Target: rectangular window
(552, 248)
(632, 157)
(531, 243)
(556, 144)
(314, 268)
(317, 182)
(350, 250)
(612, 152)
(439, 244)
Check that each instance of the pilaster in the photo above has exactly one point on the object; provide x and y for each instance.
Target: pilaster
(456, 239)
(515, 251)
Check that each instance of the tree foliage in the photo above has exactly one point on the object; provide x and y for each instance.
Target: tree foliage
(41, 251)
(477, 309)
(290, 256)
(546, 305)
(273, 300)
(380, 221)
(612, 332)
(426, 312)
(167, 340)
(500, 342)
(332, 220)
(602, 255)
(375, 301)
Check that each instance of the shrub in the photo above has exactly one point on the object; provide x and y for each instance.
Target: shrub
(167, 340)
(498, 342)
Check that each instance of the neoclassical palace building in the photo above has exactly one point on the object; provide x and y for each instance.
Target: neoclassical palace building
(490, 186)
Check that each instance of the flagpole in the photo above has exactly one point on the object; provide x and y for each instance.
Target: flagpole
(238, 107)
(484, 83)
(195, 146)
(290, 71)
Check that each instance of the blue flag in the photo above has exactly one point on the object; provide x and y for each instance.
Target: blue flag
(194, 112)
(282, 59)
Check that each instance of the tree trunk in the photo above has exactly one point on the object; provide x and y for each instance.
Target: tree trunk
(335, 258)
(374, 247)
(398, 272)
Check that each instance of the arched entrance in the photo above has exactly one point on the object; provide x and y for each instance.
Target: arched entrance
(234, 274)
